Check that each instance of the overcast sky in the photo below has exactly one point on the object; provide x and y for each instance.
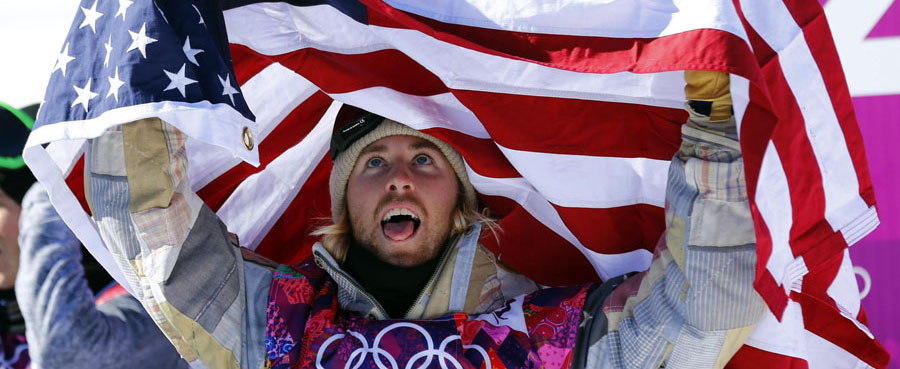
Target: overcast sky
(31, 35)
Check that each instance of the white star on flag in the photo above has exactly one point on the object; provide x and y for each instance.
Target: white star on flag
(123, 6)
(139, 40)
(90, 17)
(178, 80)
(199, 15)
(227, 88)
(109, 49)
(62, 60)
(189, 52)
(84, 95)
(114, 84)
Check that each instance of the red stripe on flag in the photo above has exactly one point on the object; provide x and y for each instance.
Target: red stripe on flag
(759, 121)
(481, 154)
(824, 263)
(341, 73)
(615, 230)
(811, 236)
(861, 316)
(770, 290)
(534, 250)
(247, 63)
(809, 231)
(703, 49)
(577, 127)
(75, 182)
(749, 357)
(288, 133)
(289, 240)
(811, 18)
(799, 161)
(608, 230)
(621, 229)
(825, 321)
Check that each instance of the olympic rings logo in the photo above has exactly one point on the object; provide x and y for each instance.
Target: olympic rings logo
(358, 356)
(867, 281)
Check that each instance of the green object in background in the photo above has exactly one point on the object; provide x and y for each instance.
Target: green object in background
(15, 136)
(23, 116)
(12, 163)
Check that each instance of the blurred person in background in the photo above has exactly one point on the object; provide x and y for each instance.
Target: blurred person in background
(56, 280)
(15, 179)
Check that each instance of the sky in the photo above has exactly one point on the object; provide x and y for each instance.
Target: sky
(31, 35)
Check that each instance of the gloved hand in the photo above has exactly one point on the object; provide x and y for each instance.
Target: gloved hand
(709, 102)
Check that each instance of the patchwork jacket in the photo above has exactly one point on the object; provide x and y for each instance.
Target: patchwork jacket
(693, 308)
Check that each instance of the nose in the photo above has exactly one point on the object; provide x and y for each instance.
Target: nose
(399, 180)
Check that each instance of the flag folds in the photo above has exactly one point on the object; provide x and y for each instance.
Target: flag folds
(566, 112)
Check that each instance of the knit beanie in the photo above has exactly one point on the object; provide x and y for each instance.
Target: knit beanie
(346, 148)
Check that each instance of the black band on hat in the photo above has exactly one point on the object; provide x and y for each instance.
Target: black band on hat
(351, 124)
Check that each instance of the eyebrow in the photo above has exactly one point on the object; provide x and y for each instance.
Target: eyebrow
(373, 148)
(423, 144)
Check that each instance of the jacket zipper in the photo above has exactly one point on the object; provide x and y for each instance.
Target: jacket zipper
(434, 274)
(378, 308)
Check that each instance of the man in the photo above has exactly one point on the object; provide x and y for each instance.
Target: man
(404, 244)
(400, 231)
(54, 306)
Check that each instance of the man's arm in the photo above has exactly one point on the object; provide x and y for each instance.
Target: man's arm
(65, 328)
(173, 249)
(696, 305)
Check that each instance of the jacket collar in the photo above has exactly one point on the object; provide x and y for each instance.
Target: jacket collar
(351, 295)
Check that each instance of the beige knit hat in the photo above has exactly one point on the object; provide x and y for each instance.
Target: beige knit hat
(345, 159)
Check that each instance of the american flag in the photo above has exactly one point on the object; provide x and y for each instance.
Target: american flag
(566, 112)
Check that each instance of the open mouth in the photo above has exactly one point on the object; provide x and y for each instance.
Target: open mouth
(399, 224)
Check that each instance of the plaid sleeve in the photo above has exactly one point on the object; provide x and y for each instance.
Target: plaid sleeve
(173, 249)
(695, 305)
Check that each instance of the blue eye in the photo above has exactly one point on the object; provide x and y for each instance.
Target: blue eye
(375, 162)
(422, 160)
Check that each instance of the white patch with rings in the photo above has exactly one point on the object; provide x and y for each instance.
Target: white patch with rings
(358, 356)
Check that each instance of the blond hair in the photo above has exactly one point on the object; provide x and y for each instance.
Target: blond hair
(336, 236)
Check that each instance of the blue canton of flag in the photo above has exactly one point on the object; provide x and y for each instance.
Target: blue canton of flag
(125, 60)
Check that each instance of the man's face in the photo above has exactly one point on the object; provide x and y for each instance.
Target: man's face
(9, 244)
(400, 197)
